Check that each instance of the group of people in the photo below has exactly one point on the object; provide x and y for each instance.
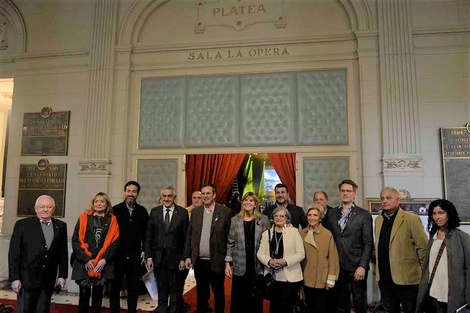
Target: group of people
(324, 252)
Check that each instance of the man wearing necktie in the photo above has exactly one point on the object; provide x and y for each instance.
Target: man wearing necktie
(38, 250)
(166, 236)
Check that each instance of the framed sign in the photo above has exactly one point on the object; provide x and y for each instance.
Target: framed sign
(41, 179)
(45, 133)
(417, 206)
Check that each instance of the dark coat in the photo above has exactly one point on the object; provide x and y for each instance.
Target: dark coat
(79, 256)
(218, 237)
(458, 263)
(167, 245)
(30, 261)
(236, 251)
(298, 214)
(132, 231)
(355, 243)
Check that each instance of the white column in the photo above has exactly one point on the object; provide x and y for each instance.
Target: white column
(400, 123)
(97, 141)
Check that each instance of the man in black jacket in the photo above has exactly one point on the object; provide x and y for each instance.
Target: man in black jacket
(351, 227)
(132, 219)
(38, 248)
(282, 197)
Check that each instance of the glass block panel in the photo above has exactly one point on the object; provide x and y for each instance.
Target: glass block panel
(152, 176)
(161, 113)
(322, 107)
(324, 174)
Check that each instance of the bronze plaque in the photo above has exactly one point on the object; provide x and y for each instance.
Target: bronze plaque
(455, 148)
(45, 133)
(41, 179)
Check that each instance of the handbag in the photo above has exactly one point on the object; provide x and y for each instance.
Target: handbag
(265, 283)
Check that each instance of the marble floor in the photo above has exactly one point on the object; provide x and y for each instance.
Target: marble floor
(145, 301)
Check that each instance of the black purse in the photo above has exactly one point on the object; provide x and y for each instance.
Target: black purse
(265, 283)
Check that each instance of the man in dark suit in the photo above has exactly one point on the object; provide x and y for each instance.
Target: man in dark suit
(282, 197)
(166, 237)
(352, 230)
(206, 248)
(132, 219)
(38, 249)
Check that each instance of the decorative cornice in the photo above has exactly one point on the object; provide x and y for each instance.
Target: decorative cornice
(402, 164)
(441, 30)
(94, 168)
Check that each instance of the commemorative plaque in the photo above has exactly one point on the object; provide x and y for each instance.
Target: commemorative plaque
(41, 179)
(455, 149)
(45, 133)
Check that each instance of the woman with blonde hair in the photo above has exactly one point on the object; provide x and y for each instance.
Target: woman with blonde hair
(243, 241)
(321, 264)
(94, 243)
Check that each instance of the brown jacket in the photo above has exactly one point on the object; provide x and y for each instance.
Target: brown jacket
(321, 261)
(407, 248)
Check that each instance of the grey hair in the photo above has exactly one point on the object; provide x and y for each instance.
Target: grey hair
(44, 196)
(169, 188)
(283, 208)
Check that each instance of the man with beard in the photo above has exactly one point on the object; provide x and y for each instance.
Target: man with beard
(132, 219)
(282, 197)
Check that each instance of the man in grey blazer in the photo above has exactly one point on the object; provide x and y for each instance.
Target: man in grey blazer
(206, 248)
(352, 230)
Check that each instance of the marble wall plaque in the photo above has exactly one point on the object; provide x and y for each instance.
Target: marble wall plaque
(45, 133)
(41, 179)
(455, 148)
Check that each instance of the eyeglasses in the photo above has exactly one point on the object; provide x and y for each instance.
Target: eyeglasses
(279, 216)
(45, 207)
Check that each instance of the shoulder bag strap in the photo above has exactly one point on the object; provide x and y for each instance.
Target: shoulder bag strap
(438, 258)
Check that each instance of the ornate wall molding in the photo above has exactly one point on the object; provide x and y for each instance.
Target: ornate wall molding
(14, 20)
(402, 164)
(94, 168)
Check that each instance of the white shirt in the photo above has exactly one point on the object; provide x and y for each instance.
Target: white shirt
(440, 284)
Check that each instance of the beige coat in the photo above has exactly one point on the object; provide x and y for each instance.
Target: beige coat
(321, 261)
(293, 253)
(407, 248)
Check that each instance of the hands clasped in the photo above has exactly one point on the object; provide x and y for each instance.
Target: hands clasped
(277, 263)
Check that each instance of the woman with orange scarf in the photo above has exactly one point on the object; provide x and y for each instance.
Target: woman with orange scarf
(94, 243)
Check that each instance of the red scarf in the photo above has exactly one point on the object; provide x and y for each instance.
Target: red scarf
(111, 236)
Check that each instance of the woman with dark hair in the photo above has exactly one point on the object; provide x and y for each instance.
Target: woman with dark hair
(281, 251)
(445, 282)
(243, 241)
(94, 243)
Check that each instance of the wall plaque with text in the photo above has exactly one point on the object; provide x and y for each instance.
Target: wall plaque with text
(45, 133)
(41, 179)
(455, 149)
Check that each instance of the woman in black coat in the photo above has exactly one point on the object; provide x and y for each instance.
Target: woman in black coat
(94, 243)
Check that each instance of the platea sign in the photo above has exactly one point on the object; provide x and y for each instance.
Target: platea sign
(239, 15)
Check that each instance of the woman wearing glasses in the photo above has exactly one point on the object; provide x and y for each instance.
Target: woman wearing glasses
(94, 243)
(282, 250)
(243, 241)
(321, 263)
(445, 282)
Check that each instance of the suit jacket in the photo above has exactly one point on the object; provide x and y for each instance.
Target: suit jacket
(236, 251)
(297, 213)
(355, 243)
(167, 245)
(294, 252)
(80, 258)
(408, 244)
(321, 261)
(30, 261)
(132, 231)
(458, 268)
(218, 235)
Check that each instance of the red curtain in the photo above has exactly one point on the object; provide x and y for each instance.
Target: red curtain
(218, 169)
(284, 165)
